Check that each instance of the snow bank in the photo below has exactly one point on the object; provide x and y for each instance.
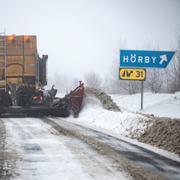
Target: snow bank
(126, 124)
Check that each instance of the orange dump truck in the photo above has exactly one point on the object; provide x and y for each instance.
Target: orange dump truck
(20, 68)
(22, 78)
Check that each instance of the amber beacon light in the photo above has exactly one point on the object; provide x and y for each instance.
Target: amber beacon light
(27, 38)
(11, 38)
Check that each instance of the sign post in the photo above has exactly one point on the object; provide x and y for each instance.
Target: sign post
(142, 94)
(131, 62)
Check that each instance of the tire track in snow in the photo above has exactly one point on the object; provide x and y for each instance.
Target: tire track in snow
(47, 154)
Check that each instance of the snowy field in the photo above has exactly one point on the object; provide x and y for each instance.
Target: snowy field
(162, 105)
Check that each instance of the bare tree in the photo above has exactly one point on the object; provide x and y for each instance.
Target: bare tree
(93, 79)
(133, 87)
(173, 76)
(173, 71)
(154, 80)
(178, 62)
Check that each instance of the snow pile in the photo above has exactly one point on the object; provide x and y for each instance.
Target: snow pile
(162, 105)
(104, 98)
(126, 124)
(164, 133)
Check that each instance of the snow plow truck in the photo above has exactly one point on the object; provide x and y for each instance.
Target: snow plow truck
(22, 80)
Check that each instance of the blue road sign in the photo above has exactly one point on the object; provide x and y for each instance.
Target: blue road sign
(137, 58)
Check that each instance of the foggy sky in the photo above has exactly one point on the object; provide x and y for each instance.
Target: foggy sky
(85, 35)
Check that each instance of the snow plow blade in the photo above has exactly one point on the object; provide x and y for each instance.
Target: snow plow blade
(72, 101)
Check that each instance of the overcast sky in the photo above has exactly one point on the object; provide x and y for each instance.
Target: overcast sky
(85, 35)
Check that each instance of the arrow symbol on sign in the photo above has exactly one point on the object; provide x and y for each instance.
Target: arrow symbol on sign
(163, 59)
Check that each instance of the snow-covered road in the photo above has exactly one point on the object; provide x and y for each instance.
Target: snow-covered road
(139, 161)
(51, 148)
(40, 152)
